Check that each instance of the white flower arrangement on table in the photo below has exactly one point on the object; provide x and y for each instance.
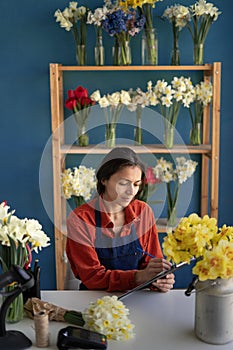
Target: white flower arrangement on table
(113, 105)
(200, 237)
(178, 16)
(78, 183)
(18, 238)
(106, 315)
(109, 316)
(166, 172)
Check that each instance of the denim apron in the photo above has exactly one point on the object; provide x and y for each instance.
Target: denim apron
(117, 253)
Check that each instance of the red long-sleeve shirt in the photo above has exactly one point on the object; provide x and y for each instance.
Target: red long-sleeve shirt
(80, 247)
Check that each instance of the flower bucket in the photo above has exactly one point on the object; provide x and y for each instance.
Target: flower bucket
(214, 311)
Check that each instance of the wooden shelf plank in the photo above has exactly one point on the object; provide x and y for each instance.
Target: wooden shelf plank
(205, 67)
(101, 149)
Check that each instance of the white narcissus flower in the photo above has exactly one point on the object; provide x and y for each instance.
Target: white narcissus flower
(109, 316)
(125, 97)
(165, 172)
(104, 102)
(114, 99)
(95, 96)
(79, 182)
(23, 231)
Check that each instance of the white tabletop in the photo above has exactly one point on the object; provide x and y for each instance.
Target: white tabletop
(163, 321)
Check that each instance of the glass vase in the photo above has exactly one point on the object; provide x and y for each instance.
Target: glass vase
(110, 135)
(121, 53)
(81, 55)
(195, 134)
(99, 51)
(198, 54)
(81, 120)
(15, 312)
(138, 129)
(175, 60)
(171, 216)
(169, 130)
(149, 47)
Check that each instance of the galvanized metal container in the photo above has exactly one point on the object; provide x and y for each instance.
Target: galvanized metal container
(214, 311)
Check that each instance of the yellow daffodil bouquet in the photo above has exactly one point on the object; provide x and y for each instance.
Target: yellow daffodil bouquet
(200, 237)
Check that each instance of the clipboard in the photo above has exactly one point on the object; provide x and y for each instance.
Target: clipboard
(160, 275)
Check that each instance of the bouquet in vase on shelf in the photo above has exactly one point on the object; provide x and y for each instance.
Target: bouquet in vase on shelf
(150, 186)
(203, 14)
(174, 177)
(113, 105)
(96, 18)
(122, 23)
(75, 18)
(78, 183)
(178, 16)
(80, 103)
(138, 102)
(150, 40)
(202, 98)
(170, 98)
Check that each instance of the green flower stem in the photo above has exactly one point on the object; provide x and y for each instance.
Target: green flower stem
(175, 52)
(196, 119)
(201, 27)
(81, 117)
(172, 199)
(13, 255)
(122, 51)
(138, 130)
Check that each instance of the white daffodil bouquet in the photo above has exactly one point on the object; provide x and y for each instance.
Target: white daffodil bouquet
(203, 97)
(75, 18)
(106, 315)
(178, 16)
(18, 238)
(200, 237)
(113, 105)
(109, 316)
(79, 183)
(174, 177)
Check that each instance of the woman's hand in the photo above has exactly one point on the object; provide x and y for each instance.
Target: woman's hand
(152, 269)
(165, 284)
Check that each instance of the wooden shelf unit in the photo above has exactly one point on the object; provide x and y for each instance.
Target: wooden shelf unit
(209, 151)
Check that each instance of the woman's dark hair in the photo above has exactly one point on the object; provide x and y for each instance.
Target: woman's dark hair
(116, 159)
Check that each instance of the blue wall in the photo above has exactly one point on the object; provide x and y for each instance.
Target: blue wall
(30, 40)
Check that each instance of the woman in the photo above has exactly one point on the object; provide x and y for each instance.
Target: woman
(107, 235)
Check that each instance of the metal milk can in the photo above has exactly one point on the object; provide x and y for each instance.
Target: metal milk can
(214, 311)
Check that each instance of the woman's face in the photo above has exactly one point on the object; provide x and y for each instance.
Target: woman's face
(123, 186)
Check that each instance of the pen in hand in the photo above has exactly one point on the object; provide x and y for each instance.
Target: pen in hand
(146, 253)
